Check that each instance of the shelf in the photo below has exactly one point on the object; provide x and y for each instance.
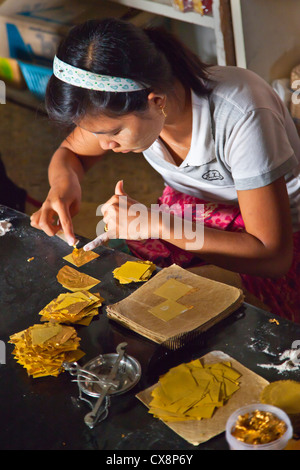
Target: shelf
(24, 98)
(219, 21)
(164, 8)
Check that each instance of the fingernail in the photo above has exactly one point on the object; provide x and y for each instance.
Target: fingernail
(71, 241)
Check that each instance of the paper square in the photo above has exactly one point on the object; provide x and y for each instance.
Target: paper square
(168, 309)
(172, 289)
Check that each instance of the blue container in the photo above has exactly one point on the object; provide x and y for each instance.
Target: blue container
(36, 78)
(35, 69)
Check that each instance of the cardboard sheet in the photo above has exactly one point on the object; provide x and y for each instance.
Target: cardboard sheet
(202, 303)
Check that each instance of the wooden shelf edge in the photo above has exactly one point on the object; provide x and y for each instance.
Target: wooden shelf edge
(164, 9)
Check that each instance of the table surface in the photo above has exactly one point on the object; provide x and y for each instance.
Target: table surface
(45, 413)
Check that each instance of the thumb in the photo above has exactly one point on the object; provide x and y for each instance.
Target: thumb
(119, 191)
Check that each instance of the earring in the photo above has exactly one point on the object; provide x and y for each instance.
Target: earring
(162, 108)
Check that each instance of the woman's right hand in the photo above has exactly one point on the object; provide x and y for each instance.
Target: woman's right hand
(61, 204)
(68, 165)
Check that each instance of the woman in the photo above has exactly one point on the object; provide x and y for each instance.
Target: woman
(219, 136)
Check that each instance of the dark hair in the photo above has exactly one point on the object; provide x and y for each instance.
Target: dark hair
(115, 47)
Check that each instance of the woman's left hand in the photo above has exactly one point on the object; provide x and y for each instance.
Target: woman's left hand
(124, 217)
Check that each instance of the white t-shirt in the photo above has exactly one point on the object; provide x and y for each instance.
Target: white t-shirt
(243, 137)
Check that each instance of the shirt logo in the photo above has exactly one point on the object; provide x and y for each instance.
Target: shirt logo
(212, 175)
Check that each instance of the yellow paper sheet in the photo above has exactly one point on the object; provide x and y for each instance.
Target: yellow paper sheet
(134, 271)
(197, 431)
(173, 289)
(168, 310)
(193, 391)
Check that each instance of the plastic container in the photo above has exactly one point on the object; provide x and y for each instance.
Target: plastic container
(279, 444)
(36, 78)
(36, 70)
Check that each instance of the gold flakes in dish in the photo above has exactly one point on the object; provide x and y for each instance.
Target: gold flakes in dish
(258, 427)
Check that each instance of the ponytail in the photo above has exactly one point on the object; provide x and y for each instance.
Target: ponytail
(186, 66)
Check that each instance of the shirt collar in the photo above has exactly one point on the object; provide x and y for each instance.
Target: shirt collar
(202, 149)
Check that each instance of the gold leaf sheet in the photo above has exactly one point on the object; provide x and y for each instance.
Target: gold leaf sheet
(79, 257)
(74, 280)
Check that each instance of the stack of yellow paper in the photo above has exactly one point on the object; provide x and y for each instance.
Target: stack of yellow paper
(193, 391)
(134, 271)
(72, 307)
(41, 349)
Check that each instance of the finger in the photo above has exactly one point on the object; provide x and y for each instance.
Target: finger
(45, 222)
(65, 222)
(67, 228)
(113, 201)
(103, 238)
(108, 204)
(35, 219)
(119, 189)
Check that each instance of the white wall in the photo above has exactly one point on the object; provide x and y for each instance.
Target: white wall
(271, 36)
(200, 39)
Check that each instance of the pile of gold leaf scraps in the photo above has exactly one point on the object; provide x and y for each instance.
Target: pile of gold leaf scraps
(134, 271)
(193, 391)
(72, 307)
(41, 349)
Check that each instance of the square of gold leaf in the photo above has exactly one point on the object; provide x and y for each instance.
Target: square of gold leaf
(79, 257)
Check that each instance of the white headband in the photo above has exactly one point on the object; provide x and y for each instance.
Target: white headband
(92, 81)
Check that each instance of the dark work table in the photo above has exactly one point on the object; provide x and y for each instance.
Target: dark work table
(45, 413)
